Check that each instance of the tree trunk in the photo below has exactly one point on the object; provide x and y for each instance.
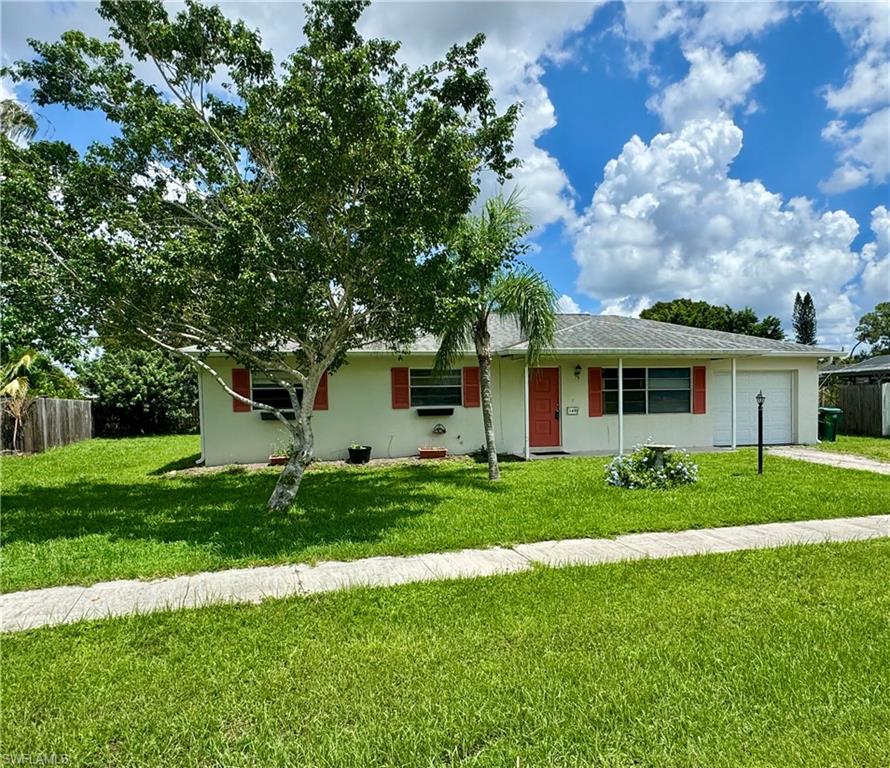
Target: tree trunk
(303, 443)
(483, 352)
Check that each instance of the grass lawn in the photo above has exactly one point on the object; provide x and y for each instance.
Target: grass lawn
(104, 509)
(765, 658)
(870, 447)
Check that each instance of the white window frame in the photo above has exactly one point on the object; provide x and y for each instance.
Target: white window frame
(436, 386)
(645, 390)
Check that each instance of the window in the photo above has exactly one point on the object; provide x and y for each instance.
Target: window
(435, 389)
(264, 390)
(648, 390)
(670, 390)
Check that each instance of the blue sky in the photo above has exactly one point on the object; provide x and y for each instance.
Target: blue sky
(732, 152)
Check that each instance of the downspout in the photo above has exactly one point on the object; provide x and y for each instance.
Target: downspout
(733, 404)
(202, 459)
(525, 452)
(620, 406)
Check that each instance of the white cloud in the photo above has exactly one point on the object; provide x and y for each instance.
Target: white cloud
(567, 305)
(876, 255)
(867, 87)
(668, 220)
(697, 24)
(864, 145)
(714, 85)
(864, 153)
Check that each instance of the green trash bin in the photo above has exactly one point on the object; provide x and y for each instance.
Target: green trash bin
(829, 423)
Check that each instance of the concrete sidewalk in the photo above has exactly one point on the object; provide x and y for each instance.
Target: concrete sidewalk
(65, 605)
(842, 460)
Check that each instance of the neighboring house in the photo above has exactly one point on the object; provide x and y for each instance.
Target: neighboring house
(684, 386)
(872, 370)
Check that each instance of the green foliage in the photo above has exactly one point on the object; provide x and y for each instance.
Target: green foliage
(140, 391)
(803, 319)
(700, 314)
(874, 329)
(251, 208)
(40, 310)
(641, 469)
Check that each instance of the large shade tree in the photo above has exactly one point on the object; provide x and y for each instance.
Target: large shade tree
(701, 314)
(486, 279)
(280, 215)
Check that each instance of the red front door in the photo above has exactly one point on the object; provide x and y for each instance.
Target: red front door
(543, 407)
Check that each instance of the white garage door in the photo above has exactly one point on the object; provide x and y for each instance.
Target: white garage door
(778, 411)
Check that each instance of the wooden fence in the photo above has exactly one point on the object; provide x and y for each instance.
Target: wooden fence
(51, 423)
(863, 409)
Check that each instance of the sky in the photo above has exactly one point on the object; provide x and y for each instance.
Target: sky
(735, 152)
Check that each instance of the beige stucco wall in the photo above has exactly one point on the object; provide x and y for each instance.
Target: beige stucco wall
(360, 411)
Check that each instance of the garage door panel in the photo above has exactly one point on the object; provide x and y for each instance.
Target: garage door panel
(778, 408)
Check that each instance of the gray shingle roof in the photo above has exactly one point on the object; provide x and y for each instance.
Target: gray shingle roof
(877, 364)
(609, 334)
(612, 334)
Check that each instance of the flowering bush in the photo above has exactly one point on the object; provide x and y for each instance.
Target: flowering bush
(640, 469)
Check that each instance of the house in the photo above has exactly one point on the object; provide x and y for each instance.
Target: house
(608, 383)
(872, 370)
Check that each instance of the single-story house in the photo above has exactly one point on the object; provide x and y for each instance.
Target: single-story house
(608, 383)
(872, 370)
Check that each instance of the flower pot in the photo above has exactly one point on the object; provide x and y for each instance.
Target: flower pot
(432, 453)
(360, 455)
(277, 461)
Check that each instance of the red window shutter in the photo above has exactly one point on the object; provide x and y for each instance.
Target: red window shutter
(401, 390)
(699, 387)
(472, 393)
(594, 391)
(241, 385)
(321, 394)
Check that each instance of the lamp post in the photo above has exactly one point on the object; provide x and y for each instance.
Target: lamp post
(760, 399)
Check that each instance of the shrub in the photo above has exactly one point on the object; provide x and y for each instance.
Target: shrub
(141, 392)
(639, 470)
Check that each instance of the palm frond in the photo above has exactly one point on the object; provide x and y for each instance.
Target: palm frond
(527, 297)
(16, 122)
(454, 342)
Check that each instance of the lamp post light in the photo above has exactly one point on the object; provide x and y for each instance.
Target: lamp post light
(760, 399)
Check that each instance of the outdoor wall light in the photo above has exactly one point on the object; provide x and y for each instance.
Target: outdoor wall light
(578, 372)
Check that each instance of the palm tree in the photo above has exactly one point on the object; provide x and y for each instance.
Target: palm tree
(488, 281)
(16, 122)
(15, 397)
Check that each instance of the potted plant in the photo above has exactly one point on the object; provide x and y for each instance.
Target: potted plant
(432, 453)
(281, 452)
(359, 454)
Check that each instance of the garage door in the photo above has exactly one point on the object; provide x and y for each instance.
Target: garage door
(778, 411)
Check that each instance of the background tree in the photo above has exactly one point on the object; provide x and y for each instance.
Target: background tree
(40, 311)
(485, 280)
(874, 329)
(803, 319)
(700, 314)
(140, 392)
(278, 215)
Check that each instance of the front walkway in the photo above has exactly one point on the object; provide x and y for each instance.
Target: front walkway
(65, 605)
(843, 460)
